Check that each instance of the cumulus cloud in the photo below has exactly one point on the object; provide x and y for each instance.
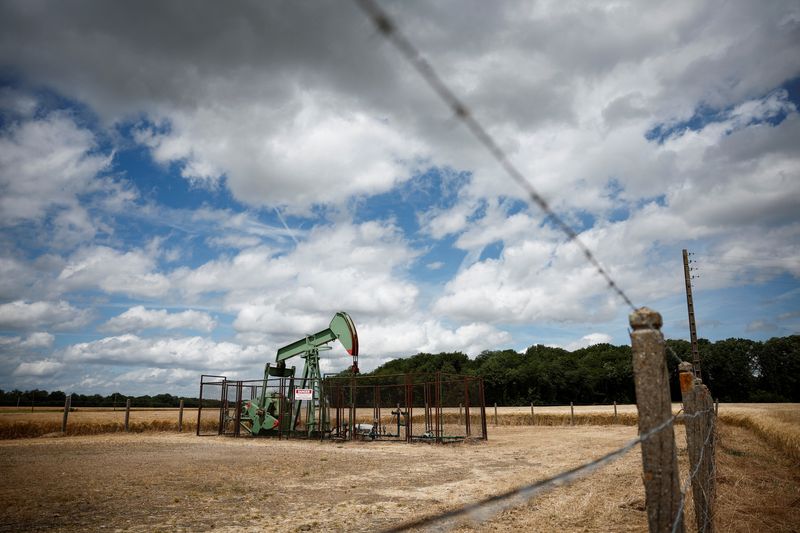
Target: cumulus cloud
(341, 266)
(114, 271)
(427, 335)
(166, 376)
(46, 163)
(588, 340)
(43, 368)
(38, 339)
(138, 318)
(183, 352)
(61, 315)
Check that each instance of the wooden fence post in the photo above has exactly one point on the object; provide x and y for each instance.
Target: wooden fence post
(495, 414)
(659, 456)
(699, 422)
(571, 414)
(127, 414)
(180, 418)
(533, 419)
(615, 412)
(67, 405)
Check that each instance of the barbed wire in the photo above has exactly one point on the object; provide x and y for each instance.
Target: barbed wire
(695, 471)
(387, 27)
(390, 30)
(482, 510)
(498, 502)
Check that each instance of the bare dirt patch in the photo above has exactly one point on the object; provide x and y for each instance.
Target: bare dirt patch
(179, 482)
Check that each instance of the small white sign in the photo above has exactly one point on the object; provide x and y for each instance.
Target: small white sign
(303, 394)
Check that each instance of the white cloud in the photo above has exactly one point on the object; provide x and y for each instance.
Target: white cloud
(588, 340)
(46, 163)
(38, 339)
(183, 352)
(59, 315)
(43, 368)
(166, 377)
(330, 149)
(343, 266)
(138, 318)
(114, 272)
(403, 338)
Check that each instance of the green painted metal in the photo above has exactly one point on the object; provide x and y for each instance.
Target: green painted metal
(341, 328)
(261, 416)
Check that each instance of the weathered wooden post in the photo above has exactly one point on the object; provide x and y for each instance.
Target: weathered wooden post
(659, 456)
(716, 407)
(67, 405)
(495, 414)
(533, 419)
(699, 421)
(615, 412)
(127, 414)
(571, 414)
(180, 417)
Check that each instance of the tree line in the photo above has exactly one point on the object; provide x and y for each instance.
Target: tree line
(43, 398)
(735, 370)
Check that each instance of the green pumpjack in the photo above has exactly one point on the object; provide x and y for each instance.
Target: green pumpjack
(272, 413)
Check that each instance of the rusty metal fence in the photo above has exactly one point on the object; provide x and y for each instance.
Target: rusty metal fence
(437, 408)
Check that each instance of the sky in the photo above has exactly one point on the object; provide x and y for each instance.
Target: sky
(184, 188)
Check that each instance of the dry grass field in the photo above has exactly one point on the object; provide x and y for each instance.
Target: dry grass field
(165, 481)
(24, 423)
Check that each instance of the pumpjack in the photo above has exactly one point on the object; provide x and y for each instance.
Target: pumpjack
(276, 412)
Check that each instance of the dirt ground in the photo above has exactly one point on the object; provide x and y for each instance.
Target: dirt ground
(179, 482)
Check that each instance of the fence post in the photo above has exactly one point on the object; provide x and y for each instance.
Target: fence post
(460, 420)
(716, 407)
(615, 412)
(659, 456)
(571, 414)
(67, 405)
(495, 414)
(127, 414)
(700, 437)
(533, 419)
(180, 418)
